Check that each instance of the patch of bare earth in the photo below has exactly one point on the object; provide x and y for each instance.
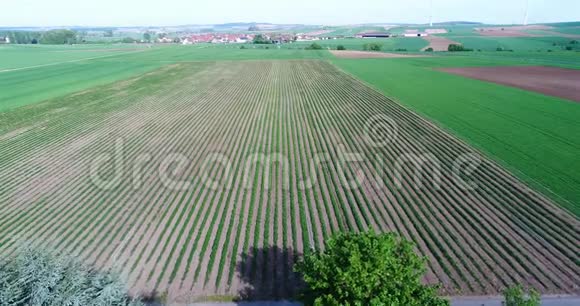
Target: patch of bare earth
(368, 54)
(551, 81)
(438, 43)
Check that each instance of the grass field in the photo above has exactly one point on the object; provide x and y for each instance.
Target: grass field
(44, 72)
(19, 56)
(187, 167)
(513, 43)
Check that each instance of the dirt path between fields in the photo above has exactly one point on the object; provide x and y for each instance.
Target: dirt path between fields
(438, 43)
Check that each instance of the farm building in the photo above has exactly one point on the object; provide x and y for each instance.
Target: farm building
(415, 34)
(4, 40)
(303, 37)
(373, 35)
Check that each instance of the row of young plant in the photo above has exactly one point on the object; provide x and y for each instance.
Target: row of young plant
(443, 201)
(201, 203)
(444, 155)
(64, 195)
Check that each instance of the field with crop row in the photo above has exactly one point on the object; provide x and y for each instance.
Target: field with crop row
(119, 175)
(535, 136)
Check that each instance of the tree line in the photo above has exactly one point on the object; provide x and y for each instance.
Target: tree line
(52, 37)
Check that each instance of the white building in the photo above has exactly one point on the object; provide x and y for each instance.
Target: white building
(415, 34)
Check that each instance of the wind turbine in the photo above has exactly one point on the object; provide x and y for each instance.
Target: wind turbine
(526, 12)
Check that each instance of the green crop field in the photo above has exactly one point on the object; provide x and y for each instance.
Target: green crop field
(34, 74)
(19, 56)
(513, 43)
(387, 44)
(208, 170)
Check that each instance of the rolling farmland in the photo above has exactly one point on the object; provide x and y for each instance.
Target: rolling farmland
(211, 178)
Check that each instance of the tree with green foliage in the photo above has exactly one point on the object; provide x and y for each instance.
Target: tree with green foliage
(21, 37)
(366, 269)
(147, 37)
(58, 37)
(429, 49)
(42, 278)
(314, 46)
(457, 48)
(372, 47)
(261, 40)
(516, 296)
(340, 47)
(128, 40)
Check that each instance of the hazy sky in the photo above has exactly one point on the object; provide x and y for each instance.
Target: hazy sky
(178, 12)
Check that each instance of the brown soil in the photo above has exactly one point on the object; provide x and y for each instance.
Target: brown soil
(368, 54)
(558, 82)
(439, 43)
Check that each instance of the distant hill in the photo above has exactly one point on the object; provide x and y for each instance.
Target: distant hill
(455, 23)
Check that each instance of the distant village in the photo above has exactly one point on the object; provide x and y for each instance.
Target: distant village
(239, 38)
(219, 38)
(227, 38)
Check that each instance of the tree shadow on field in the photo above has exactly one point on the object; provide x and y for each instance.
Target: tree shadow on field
(267, 274)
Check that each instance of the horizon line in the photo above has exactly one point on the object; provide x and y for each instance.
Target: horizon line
(279, 24)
